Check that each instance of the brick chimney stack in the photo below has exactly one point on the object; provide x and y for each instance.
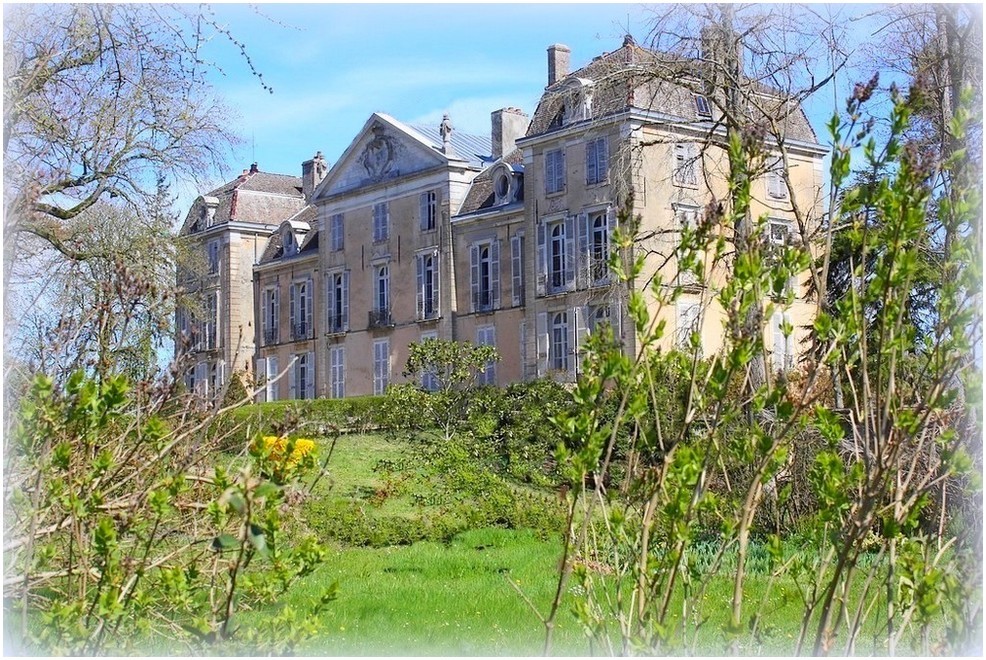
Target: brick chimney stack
(507, 125)
(559, 58)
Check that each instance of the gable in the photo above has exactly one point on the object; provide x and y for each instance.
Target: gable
(382, 151)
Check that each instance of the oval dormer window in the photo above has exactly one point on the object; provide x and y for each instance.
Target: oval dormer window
(502, 186)
(290, 247)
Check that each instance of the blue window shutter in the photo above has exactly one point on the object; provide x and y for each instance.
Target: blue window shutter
(495, 273)
(542, 258)
(474, 270)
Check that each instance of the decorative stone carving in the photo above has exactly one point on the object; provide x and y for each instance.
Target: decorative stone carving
(378, 157)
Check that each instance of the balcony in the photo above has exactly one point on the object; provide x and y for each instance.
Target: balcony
(302, 331)
(271, 336)
(335, 326)
(429, 313)
(483, 302)
(380, 318)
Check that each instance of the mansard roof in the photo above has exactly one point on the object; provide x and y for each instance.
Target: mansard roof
(270, 199)
(305, 220)
(636, 78)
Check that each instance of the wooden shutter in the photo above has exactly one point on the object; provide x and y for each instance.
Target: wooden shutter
(292, 381)
(584, 256)
(310, 376)
(309, 298)
(474, 275)
(570, 256)
(542, 343)
(292, 303)
(591, 172)
(542, 258)
(435, 284)
(272, 383)
(261, 368)
(580, 316)
(602, 159)
(515, 271)
(495, 274)
(419, 262)
(345, 300)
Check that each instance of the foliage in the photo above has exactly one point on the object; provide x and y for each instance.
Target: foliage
(712, 456)
(122, 531)
(442, 375)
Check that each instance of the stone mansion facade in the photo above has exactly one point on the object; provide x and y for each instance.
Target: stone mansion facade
(316, 286)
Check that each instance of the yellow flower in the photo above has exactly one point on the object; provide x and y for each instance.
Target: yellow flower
(275, 448)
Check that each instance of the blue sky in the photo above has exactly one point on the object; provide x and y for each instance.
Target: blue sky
(332, 65)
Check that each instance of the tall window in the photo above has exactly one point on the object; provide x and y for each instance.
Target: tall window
(702, 108)
(336, 232)
(686, 217)
(782, 331)
(685, 164)
(381, 302)
(213, 257)
(337, 372)
(337, 292)
(776, 188)
(381, 365)
(779, 231)
(270, 313)
(267, 371)
(557, 257)
(599, 247)
(689, 316)
(429, 379)
(484, 261)
(427, 293)
(301, 376)
(429, 210)
(209, 327)
(554, 171)
(596, 160)
(301, 310)
(486, 336)
(559, 341)
(381, 222)
(517, 267)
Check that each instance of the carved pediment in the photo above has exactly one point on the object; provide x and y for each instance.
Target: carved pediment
(381, 152)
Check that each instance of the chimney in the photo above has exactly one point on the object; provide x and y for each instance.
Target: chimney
(508, 124)
(253, 168)
(559, 56)
(312, 173)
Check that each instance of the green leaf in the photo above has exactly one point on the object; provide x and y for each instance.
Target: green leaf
(224, 542)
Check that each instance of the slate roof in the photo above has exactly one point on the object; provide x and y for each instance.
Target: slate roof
(624, 79)
(480, 195)
(475, 149)
(309, 243)
(271, 199)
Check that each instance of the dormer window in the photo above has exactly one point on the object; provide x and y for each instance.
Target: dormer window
(578, 100)
(702, 108)
(289, 242)
(506, 184)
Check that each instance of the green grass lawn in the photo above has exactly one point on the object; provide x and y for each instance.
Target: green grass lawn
(437, 599)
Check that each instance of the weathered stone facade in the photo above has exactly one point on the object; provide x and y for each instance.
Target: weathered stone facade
(420, 232)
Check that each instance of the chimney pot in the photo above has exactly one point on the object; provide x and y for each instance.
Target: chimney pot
(559, 57)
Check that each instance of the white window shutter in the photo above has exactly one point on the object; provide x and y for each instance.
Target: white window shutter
(291, 307)
(264, 314)
(581, 315)
(542, 258)
(474, 270)
(261, 368)
(495, 273)
(515, 272)
(591, 173)
(310, 376)
(777, 321)
(573, 338)
(602, 159)
(272, 373)
(309, 295)
(583, 278)
(345, 300)
(436, 284)
(542, 343)
(292, 381)
(419, 264)
(423, 210)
